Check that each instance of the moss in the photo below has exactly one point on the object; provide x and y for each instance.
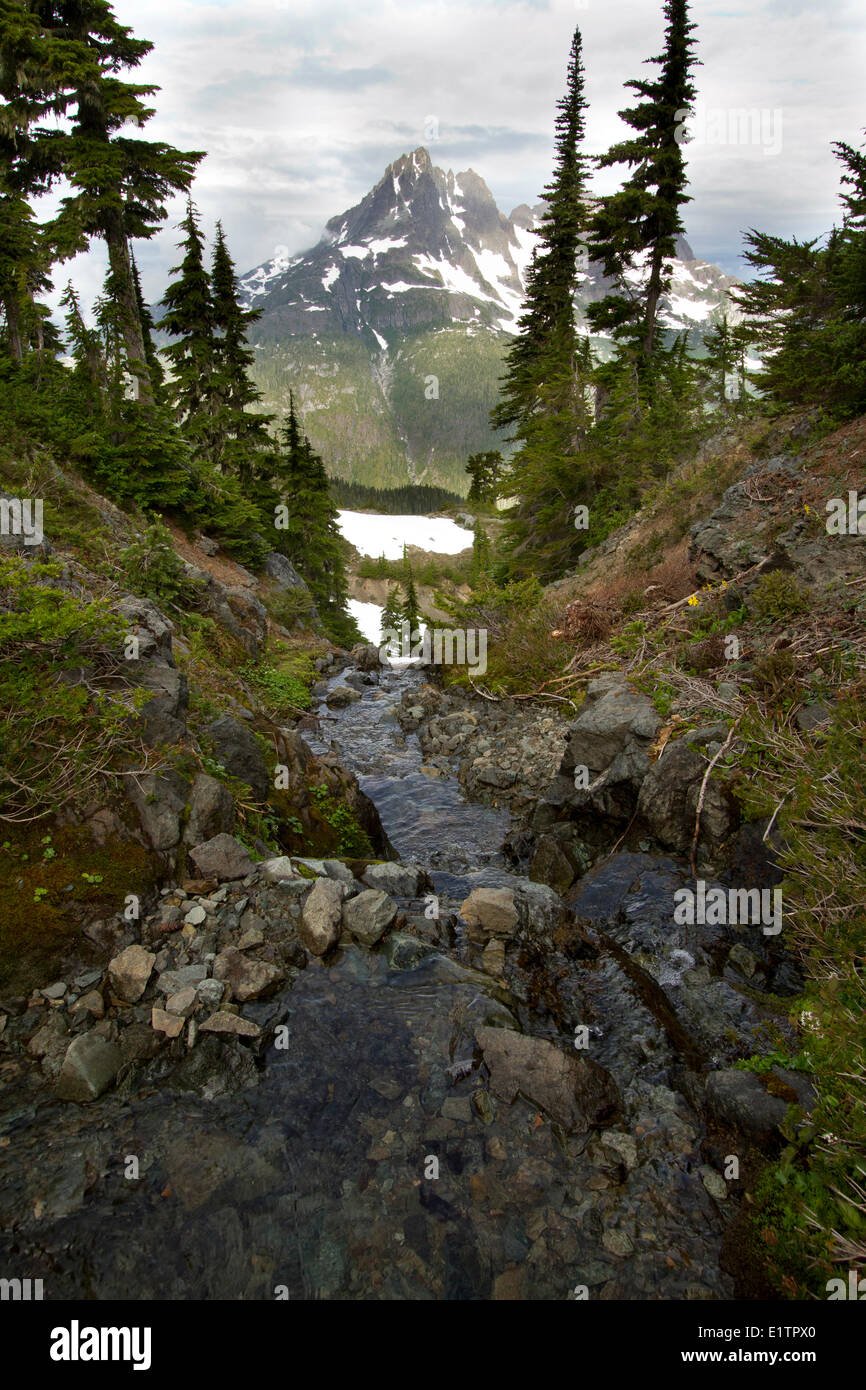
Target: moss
(41, 920)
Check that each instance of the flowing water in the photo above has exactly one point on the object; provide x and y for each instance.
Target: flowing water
(367, 1159)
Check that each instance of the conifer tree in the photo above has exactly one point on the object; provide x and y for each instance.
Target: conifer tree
(547, 335)
(242, 443)
(62, 59)
(145, 318)
(189, 319)
(409, 610)
(485, 470)
(311, 539)
(391, 617)
(636, 227)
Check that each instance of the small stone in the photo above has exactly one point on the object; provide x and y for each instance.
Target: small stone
(321, 918)
(493, 957)
(222, 857)
(195, 916)
(55, 991)
(89, 1068)
(617, 1243)
(225, 1022)
(368, 916)
(275, 870)
(129, 973)
(163, 1022)
(91, 1003)
(457, 1108)
(491, 909)
(210, 993)
(182, 1003)
(714, 1183)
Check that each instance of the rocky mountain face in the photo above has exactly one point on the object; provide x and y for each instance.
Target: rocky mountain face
(391, 331)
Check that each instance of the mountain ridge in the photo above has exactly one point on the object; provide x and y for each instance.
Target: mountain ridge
(418, 286)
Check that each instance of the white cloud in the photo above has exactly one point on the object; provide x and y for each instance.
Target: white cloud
(300, 104)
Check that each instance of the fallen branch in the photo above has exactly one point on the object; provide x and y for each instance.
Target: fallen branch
(703, 792)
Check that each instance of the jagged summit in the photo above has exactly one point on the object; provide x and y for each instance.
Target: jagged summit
(415, 290)
(427, 248)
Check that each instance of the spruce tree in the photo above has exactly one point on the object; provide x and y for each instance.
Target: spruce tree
(486, 471)
(189, 319)
(545, 391)
(311, 539)
(242, 443)
(635, 229)
(61, 59)
(547, 337)
(409, 610)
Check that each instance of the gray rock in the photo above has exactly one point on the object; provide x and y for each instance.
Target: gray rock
(160, 800)
(341, 696)
(669, 797)
(321, 917)
(164, 715)
(739, 1098)
(400, 880)
(368, 916)
(211, 810)
(89, 1068)
(277, 870)
(575, 1092)
(247, 978)
(612, 738)
(172, 981)
(150, 626)
(223, 857)
(278, 568)
(236, 748)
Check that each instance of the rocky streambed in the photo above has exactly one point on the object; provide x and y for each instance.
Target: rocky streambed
(428, 1078)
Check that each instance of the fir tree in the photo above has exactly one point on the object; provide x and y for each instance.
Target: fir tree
(189, 319)
(409, 610)
(242, 443)
(311, 539)
(486, 471)
(65, 59)
(636, 227)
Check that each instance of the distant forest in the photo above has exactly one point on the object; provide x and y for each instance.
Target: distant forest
(410, 500)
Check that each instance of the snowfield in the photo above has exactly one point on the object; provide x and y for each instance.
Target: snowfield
(372, 533)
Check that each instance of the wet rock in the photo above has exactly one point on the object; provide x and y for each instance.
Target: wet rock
(368, 916)
(492, 910)
(231, 1024)
(493, 957)
(552, 864)
(669, 797)
(540, 910)
(211, 810)
(321, 918)
(612, 738)
(247, 978)
(236, 748)
(366, 658)
(405, 951)
(738, 1098)
(129, 973)
(222, 857)
(89, 1068)
(575, 1092)
(341, 696)
(400, 880)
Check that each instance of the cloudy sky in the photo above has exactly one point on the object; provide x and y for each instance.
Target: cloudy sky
(301, 104)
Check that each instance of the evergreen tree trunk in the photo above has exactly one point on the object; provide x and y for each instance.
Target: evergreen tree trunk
(13, 327)
(120, 262)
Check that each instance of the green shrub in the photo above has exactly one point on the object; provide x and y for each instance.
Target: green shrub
(777, 596)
